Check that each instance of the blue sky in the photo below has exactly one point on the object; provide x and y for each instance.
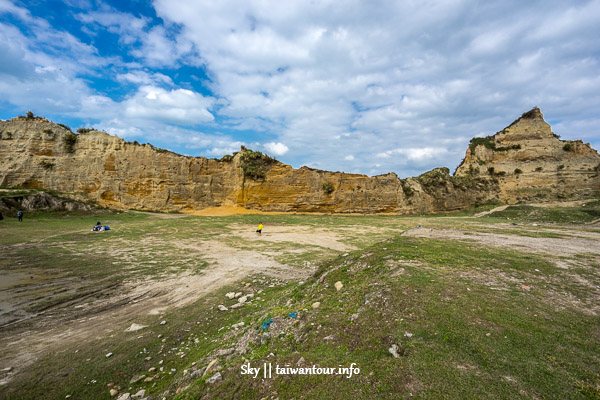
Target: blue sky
(368, 87)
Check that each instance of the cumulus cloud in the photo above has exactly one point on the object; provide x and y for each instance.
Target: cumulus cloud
(129, 28)
(179, 106)
(416, 154)
(397, 85)
(277, 149)
(395, 72)
(141, 77)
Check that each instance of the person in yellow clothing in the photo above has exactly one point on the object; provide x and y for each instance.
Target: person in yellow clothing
(260, 228)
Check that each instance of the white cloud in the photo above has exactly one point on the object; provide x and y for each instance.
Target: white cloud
(398, 74)
(129, 28)
(406, 83)
(416, 154)
(180, 106)
(277, 149)
(144, 78)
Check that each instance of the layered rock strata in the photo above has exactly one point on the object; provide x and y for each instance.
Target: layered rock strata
(523, 162)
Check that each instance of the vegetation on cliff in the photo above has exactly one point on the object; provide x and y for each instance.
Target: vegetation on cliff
(69, 140)
(254, 163)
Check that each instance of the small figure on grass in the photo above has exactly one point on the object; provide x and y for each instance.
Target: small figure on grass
(20, 216)
(260, 228)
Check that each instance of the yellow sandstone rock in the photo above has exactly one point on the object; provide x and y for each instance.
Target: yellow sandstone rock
(523, 162)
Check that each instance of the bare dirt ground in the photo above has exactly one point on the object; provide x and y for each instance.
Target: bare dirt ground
(560, 247)
(74, 322)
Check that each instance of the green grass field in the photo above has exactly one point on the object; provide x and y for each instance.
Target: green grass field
(468, 317)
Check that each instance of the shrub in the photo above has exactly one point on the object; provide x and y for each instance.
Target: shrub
(46, 164)
(538, 169)
(70, 139)
(518, 171)
(506, 148)
(490, 171)
(489, 143)
(328, 188)
(531, 113)
(408, 191)
(555, 135)
(254, 163)
(226, 158)
(473, 170)
(30, 115)
(84, 130)
(568, 147)
(561, 166)
(463, 182)
(434, 178)
(65, 126)
(500, 173)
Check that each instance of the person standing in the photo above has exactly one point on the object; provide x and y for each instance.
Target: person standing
(20, 216)
(260, 228)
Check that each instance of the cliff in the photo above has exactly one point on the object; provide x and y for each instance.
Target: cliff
(530, 162)
(522, 162)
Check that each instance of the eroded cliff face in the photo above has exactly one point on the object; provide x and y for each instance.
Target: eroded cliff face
(37, 153)
(530, 162)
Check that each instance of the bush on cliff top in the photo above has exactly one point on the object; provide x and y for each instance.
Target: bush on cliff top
(254, 163)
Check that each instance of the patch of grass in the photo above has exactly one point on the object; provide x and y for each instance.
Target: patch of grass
(463, 325)
(576, 215)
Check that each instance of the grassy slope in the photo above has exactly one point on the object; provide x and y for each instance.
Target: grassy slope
(476, 333)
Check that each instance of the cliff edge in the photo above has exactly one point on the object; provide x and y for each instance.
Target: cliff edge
(523, 162)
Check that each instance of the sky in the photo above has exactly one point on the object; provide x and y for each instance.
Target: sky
(365, 87)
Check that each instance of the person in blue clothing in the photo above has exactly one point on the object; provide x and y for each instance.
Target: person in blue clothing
(20, 216)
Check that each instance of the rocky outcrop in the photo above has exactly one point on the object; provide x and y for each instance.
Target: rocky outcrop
(530, 163)
(521, 162)
(39, 201)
